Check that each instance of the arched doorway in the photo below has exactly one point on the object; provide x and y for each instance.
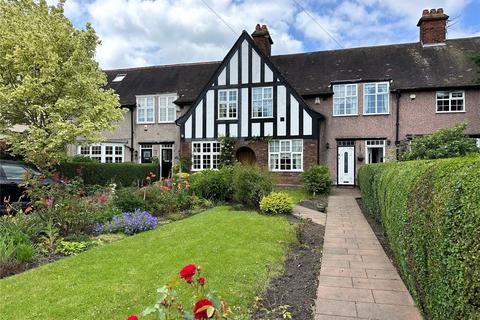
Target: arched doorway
(245, 155)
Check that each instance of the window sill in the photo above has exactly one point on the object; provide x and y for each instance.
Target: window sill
(153, 122)
(377, 114)
(262, 118)
(166, 122)
(345, 115)
(286, 171)
(443, 112)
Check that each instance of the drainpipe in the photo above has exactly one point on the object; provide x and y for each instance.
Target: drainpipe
(397, 123)
(318, 140)
(132, 151)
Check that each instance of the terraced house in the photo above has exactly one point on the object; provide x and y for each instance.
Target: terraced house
(341, 108)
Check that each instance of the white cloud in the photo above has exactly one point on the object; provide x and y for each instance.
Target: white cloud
(135, 32)
(371, 22)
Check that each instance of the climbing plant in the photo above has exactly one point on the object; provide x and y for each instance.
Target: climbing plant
(227, 147)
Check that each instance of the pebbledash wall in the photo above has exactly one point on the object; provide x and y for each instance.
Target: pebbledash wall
(417, 116)
(260, 148)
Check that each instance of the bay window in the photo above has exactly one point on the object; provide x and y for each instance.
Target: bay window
(285, 155)
(205, 155)
(104, 153)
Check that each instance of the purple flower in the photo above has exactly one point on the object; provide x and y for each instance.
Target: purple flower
(129, 223)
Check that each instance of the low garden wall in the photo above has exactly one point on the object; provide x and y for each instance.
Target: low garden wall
(93, 173)
(430, 211)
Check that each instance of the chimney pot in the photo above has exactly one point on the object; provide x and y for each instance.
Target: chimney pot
(433, 26)
(262, 39)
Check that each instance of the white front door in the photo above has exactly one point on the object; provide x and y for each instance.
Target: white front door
(346, 165)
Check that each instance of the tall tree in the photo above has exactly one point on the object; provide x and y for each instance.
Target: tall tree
(51, 88)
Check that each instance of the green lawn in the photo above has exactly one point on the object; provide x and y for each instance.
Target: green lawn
(236, 250)
(297, 193)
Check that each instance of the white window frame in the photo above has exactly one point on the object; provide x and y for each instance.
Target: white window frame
(337, 87)
(278, 154)
(117, 155)
(228, 104)
(169, 99)
(374, 143)
(146, 97)
(450, 98)
(214, 155)
(387, 93)
(262, 102)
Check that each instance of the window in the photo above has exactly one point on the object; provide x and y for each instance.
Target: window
(450, 101)
(104, 153)
(344, 99)
(205, 155)
(262, 102)
(119, 77)
(375, 150)
(145, 109)
(167, 110)
(14, 172)
(227, 104)
(375, 98)
(285, 155)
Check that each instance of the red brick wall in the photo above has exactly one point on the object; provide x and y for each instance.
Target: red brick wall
(433, 31)
(260, 147)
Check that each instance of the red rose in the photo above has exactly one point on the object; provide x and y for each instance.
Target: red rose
(201, 281)
(132, 318)
(188, 272)
(200, 309)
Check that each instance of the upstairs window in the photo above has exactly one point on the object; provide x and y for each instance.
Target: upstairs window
(227, 104)
(167, 109)
(345, 100)
(145, 110)
(375, 98)
(262, 102)
(450, 101)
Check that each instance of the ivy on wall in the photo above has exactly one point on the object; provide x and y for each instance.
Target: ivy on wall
(227, 148)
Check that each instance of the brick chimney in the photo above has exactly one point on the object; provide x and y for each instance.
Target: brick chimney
(433, 27)
(262, 39)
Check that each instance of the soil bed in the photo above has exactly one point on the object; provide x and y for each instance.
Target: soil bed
(295, 290)
(379, 233)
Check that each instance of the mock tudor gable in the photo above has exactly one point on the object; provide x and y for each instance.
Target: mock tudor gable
(248, 97)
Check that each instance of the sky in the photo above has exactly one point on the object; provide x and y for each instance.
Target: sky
(145, 32)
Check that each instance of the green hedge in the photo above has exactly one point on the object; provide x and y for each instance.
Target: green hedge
(125, 174)
(431, 213)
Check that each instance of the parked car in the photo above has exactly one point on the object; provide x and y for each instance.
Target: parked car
(12, 175)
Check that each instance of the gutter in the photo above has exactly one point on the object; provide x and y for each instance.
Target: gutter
(397, 124)
(131, 134)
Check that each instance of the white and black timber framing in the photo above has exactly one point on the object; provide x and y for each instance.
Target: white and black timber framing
(245, 67)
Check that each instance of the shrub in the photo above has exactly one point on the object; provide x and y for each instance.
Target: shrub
(430, 212)
(72, 247)
(215, 185)
(129, 223)
(316, 179)
(276, 203)
(124, 174)
(444, 143)
(128, 199)
(251, 184)
(15, 238)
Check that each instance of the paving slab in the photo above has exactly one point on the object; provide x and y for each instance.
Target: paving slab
(357, 280)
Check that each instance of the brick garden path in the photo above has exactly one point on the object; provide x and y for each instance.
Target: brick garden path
(357, 280)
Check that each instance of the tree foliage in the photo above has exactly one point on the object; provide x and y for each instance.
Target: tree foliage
(476, 59)
(444, 143)
(51, 88)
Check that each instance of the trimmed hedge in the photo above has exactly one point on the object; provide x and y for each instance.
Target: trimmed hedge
(93, 173)
(430, 211)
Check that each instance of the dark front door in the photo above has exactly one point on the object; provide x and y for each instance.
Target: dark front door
(146, 155)
(167, 157)
(246, 156)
